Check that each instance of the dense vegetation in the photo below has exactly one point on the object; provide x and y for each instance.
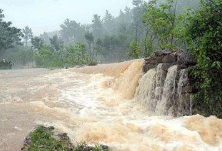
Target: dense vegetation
(205, 31)
(42, 139)
(136, 32)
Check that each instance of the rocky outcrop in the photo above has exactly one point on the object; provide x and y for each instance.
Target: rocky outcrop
(181, 58)
(48, 138)
(176, 92)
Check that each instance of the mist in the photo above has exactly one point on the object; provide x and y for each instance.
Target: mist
(47, 15)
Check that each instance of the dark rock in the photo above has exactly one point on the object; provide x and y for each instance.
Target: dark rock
(147, 67)
(92, 64)
(161, 53)
(104, 147)
(166, 66)
(151, 60)
(184, 57)
(170, 58)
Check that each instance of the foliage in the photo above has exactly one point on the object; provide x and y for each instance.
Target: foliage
(97, 26)
(37, 43)
(42, 140)
(9, 36)
(205, 34)
(72, 32)
(56, 43)
(135, 50)
(161, 21)
(27, 34)
(68, 57)
(90, 40)
(4, 64)
(20, 55)
(47, 58)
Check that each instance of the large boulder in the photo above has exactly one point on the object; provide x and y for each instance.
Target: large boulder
(184, 57)
(169, 58)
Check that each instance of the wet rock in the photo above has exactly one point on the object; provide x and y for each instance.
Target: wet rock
(92, 64)
(161, 53)
(178, 103)
(184, 57)
(151, 60)
(170, 58)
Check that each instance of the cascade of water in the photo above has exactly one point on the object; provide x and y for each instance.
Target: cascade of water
(145, 90)
(182, 104)
(159, 83)
(165, 106)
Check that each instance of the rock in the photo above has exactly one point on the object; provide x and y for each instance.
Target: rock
(147, 67)
(161, 53)
(151, 60)
(170, 58)
(92, 64)
(184, 57)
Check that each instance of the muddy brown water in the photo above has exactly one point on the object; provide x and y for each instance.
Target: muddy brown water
(96, 104)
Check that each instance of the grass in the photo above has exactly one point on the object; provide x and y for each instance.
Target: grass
(42, 140)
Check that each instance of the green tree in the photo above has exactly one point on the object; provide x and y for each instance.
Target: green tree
(161, 21)
(109, 23)
(206, 39)
(9, 36)
(37, 42)
(135, 50)
(72, 32)
(90, 40)
(97, 26)
(56, 42)
(28, 35)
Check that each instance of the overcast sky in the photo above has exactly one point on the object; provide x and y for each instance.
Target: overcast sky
(47, 15)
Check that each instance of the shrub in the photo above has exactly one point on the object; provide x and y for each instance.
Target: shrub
(205, 34)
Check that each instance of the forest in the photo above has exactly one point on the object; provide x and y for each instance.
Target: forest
(136, 32)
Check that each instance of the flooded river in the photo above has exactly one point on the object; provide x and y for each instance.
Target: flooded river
(96, 105)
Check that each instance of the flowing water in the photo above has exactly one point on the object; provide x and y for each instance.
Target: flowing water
(111, 104)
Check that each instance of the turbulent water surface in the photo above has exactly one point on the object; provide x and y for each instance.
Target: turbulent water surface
(97, 105)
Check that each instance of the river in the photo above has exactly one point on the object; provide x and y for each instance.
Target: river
(96, 105)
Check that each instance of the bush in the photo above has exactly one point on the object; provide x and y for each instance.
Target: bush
(205, 34)
(44, 139)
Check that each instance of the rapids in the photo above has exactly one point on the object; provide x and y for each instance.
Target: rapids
(111, 104)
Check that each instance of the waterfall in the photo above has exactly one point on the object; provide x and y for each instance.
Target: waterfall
(145, 91)
(165, 105)
(161, 89)
(157, 91)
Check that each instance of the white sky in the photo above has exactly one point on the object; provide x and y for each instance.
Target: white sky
(47, 15)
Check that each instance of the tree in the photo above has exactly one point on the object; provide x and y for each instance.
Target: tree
(90, 40)
(97, 26)
(28, 35)
(109, 23)
(56, 42)
(137, 24)
(204, 31)
(72, 32)
(161, 21)
(9, 36)
(135, 50)
(37, 43)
